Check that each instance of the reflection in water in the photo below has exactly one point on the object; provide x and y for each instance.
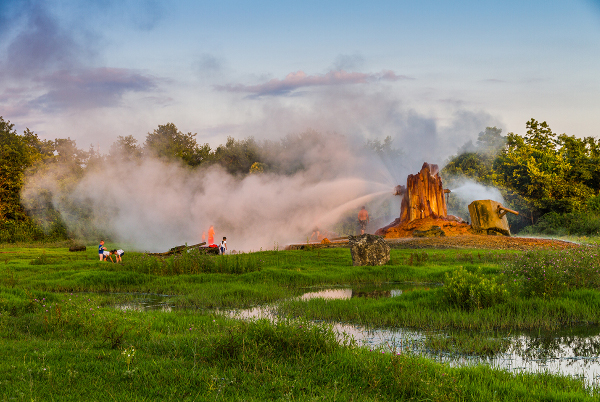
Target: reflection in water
(574, 352)
(147, 302)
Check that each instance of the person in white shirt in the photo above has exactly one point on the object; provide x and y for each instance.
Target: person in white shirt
(223, 246)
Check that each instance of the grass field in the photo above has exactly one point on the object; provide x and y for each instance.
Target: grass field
(64, 340)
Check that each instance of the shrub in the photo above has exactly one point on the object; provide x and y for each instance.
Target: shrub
(468, 290)
(549, 273)
(574, 223)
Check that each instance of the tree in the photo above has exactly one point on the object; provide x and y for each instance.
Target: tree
(238, 156)
(553, 173)
(126, 148)
(170, 143)
(17, 153)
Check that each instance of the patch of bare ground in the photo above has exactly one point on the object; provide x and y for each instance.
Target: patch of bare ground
(481, 242)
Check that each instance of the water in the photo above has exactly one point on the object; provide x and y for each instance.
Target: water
(573, 352)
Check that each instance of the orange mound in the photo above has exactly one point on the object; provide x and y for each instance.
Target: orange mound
(449, 226)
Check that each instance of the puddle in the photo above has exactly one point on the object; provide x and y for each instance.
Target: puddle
(574, 352)
(392, 289)
(147, 302)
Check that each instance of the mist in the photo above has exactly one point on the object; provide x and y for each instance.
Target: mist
(153, 204)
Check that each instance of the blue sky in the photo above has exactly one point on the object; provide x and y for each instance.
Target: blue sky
(441, 71)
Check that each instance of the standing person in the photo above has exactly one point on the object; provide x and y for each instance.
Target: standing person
(101, 250)
(211, 235)
(363, 219)
(223, 246)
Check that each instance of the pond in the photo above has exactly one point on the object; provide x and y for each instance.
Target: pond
(574, 351)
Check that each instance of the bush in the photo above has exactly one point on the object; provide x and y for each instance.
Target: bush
(574, 223)
(549, 273)
(468, 290)
(20, 231)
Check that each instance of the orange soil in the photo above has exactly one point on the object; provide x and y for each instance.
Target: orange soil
(450, 227)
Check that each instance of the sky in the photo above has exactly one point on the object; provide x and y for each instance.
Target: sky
(441, 71)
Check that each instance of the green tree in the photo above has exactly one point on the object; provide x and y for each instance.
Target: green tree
(552, 172)
(238, 156)
(126, 148)
(17, 154)
(170, 143)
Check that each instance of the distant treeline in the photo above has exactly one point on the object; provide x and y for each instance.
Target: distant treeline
(538, 173)
(552, 180)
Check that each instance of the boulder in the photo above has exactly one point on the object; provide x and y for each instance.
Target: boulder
(368, 249)
(77, 247)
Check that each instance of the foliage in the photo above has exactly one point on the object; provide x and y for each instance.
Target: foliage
(168, 142)
(469, 290)
(572, 223)
(17, 154)
(548, 274)
(238, 156)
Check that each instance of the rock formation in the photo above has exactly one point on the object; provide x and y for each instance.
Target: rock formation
(423, 210)
(423, 195)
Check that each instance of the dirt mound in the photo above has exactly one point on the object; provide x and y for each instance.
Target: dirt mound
(460, 235)
(449, 226)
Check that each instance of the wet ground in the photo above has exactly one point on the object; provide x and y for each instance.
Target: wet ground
(573, 351)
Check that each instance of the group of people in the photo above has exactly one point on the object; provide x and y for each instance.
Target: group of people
(106, 255)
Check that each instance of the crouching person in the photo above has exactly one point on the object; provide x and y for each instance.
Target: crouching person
(118, 254)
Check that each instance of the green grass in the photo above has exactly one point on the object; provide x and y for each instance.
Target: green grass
(62, 339)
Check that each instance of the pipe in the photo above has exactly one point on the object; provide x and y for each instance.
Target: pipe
(503, 211)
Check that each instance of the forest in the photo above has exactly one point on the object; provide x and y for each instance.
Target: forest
(552, 179)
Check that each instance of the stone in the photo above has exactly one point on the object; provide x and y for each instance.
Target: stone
(368, 249)
(77, 247)
(434, 231)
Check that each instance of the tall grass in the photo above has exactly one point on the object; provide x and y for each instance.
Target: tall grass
(550, 273)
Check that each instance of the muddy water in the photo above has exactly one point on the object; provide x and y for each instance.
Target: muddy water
(574, 352)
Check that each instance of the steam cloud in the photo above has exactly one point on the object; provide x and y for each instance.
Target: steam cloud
(154, 205)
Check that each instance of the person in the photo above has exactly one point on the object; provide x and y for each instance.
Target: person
(363, 219)
(101, 250)
(223, 245)
(315, 234)
(211, 235)
(118, 254)
(107, 255)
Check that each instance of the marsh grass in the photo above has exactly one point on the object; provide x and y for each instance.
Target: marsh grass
(464, 343)
(61, 355)
(63, 346)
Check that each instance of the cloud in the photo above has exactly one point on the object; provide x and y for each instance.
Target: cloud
(299, 79)
(42, 46)
(98, 87)
(348, 62)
